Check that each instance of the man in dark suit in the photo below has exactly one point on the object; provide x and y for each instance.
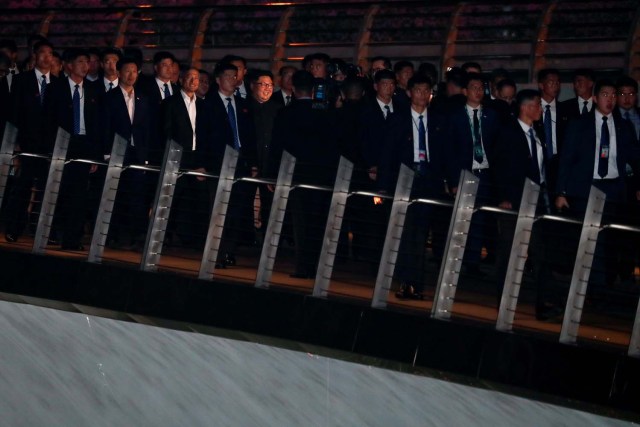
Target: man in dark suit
(310, 135)
(520, 153)
(109, 74)
(583, 80)
(284, 95)
(554, 120)
(233, 126)
(472, 135)
(186, 121)
(156, 89)
(9, 48)
(416, 138)
(263, 108)
(75, 108)
(504, 102)
(126, 113)
(30, 106)
(628, 110)
(598, 146)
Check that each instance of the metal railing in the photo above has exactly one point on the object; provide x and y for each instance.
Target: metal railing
(464, 207)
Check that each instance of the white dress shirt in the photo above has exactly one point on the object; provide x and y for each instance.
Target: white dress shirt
(612, 171)
(190, 103)
(415, 118)
(72, 88)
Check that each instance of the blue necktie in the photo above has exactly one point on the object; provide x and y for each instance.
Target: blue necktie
(387, 111)
(231, 112)
(584, 107)
(238, 92)
(110, 86)
(603, 158)
(548, 131)
(76, 111)
(535, 166)
(167, 94)
(478, 152)
(422, 146)
(43, 89)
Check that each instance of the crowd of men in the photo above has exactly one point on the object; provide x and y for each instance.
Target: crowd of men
(389, 116)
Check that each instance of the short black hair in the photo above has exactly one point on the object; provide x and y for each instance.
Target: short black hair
(627, 81)
(255, 75)
(546, 72)
(402, 64)
(500, 73)
(584, 72)
(505, 82)
(9, 44)
(526, 95)
(472, 76)
(468, 65)
(303, 81)
(285, 68)
(135, 53)
(457, 76)
(223, 66)
(384, 59)
(428, 69)
(384, 75)
(126, 60)
(161, 56)
(353, 86)
(419, 79)
(232, 58)
(111, 51)
(70, 55)
(603, 83)
(41, 43)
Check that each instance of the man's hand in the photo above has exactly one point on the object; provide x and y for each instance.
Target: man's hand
(561, 203)
(93, 168)
(505, 204)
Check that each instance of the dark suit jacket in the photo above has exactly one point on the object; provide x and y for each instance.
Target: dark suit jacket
(398, 149)
(618, 113)
(223, 135)
(28, 114)
(146, 85)
(506, 113)
(115, 120)
(4, 103)
(278, 98)
(571, 109)
(373, 125)
(311, 136)
(459, 148)
(264, 115)
(61, 115)
(577, 159)
(176, 125)
(512, 162)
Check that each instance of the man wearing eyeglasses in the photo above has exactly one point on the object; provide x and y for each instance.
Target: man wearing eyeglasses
(264, 108)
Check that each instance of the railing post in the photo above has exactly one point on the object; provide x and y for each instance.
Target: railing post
(634, 343)
(6, 155)
(393, 237)
(161, 207)
(582, 266)
(107, 201)
(332, 230)
(456, 242)
(276, 219)
(218, 213)
(518, 255)
(51, 190)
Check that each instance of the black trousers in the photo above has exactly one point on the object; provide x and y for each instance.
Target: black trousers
(32, 173)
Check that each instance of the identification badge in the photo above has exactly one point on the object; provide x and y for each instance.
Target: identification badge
(604, 152)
